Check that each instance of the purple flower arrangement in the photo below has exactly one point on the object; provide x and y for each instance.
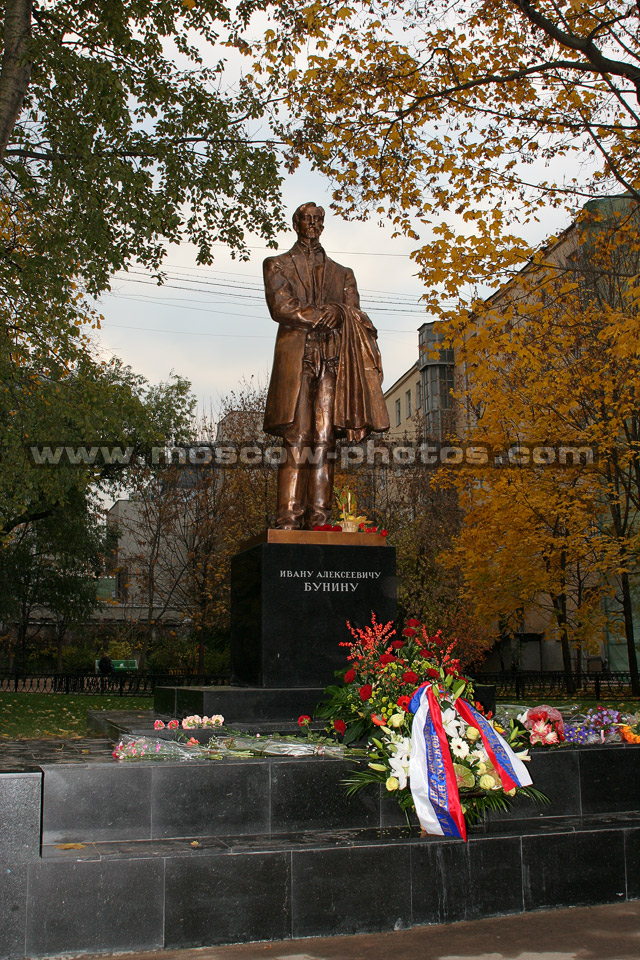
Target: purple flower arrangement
(599, 725)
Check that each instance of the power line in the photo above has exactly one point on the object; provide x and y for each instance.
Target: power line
(255, 276)
(187, 333)
(195, 333)
(256, 298)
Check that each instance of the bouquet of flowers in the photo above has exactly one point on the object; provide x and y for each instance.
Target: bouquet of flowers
(544, 724)
(600, 725)
(630, 731)
(385, 670)
(390, 680)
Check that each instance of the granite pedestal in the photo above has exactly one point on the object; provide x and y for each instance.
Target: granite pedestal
(292, 593)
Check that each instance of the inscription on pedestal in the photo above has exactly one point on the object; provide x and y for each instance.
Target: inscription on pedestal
(290, 603)
(331, 581)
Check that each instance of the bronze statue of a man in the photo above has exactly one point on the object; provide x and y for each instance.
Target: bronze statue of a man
(327, 373)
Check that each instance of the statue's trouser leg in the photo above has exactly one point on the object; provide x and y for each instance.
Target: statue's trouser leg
(293, 474)
(293, 471)
(320, 483)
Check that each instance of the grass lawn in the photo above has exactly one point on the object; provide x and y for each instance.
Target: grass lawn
(37, 716)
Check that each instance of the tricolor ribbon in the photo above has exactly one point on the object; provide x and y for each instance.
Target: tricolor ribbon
(432, 779)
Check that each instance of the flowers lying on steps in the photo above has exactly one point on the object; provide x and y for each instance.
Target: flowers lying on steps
(630, 732)
(132, 748)
(544, 723)
(191, 723)
(599, 725)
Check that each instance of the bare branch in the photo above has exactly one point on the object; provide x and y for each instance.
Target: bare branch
(584, 45)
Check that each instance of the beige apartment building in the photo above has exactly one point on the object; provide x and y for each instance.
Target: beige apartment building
(404, 404)
(420, 403)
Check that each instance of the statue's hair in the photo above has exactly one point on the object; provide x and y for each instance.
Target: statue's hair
(303, 206)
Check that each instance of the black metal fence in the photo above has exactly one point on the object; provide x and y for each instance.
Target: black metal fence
(554, 683)
(511, 684)
(121, 685)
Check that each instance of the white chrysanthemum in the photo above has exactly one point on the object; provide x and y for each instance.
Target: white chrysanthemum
(479, 755)
(459, 748)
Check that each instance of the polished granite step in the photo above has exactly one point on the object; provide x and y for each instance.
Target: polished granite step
(328, 839)
(146, 895)
(171, 855)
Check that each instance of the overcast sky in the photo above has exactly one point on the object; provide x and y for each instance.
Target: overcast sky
(211, 324)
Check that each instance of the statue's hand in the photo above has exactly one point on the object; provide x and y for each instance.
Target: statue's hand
(329, 317)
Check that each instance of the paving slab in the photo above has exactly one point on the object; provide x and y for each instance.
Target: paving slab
(610, 932)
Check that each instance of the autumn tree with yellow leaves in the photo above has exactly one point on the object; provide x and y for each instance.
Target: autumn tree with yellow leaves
(552, 365)
(460, 123)
(464, 126)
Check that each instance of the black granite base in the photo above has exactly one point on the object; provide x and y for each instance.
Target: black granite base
(185, 855)
(238, 704)
(290, 603)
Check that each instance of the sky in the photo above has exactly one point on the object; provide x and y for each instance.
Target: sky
(211, 324)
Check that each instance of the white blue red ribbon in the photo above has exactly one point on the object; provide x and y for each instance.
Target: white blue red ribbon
(432, 779)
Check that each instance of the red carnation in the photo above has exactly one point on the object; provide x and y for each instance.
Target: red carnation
(403, 703)
(397, 644)
(410, 677)
(304, 720)
(425, 654)
(408, 632)
(340, 727)
(350, 676)
(384, 533)
(413, 622)
(386, 658)
(432, 672)
(451, 672)
(365, 692)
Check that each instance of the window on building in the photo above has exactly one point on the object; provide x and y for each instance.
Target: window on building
(398, 413)
(408, 403)
(418, 395)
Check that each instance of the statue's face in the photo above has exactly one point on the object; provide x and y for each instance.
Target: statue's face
(310, 223)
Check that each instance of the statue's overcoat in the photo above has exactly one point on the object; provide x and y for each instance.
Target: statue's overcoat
(359, 404)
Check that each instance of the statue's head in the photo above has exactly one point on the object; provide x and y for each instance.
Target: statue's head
(308, 221)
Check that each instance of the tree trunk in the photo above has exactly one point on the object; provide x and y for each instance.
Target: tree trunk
(61, 632)
(566, 661)
(627, 608)
(201, 650)
(15, 70)
(560, 608)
